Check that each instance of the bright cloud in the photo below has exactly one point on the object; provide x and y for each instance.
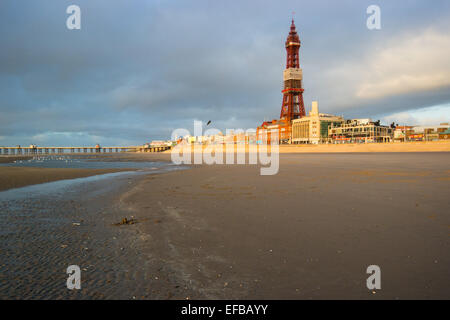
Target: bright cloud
(426, 116)
(413, 62)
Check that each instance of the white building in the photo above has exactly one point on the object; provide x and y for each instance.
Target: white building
(314, 127)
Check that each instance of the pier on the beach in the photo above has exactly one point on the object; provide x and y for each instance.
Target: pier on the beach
(77, 150)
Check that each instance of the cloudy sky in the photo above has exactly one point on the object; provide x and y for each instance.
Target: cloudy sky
(139, 69)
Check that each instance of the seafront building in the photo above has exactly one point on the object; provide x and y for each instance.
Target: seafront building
(445, 135)
(230, 138)
(400, 133)
(427, 133)
(360, 131)
(314, 127)
(421, 133)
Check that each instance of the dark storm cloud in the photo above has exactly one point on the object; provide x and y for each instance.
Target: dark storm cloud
(139, 69)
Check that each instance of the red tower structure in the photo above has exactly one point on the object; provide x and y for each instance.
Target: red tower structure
(292, 106)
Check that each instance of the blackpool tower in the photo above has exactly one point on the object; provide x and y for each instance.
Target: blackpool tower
(292, 106)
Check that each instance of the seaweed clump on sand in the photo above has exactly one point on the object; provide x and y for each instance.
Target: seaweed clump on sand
(126, 221)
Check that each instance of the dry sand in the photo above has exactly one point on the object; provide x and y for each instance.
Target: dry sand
(429, 146)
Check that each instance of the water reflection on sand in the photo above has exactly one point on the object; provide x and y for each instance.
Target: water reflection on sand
(44, 228)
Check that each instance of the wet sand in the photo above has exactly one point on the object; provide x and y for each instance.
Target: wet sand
(15, 177)
(45, 228)
(41, 235)
(227, 232)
